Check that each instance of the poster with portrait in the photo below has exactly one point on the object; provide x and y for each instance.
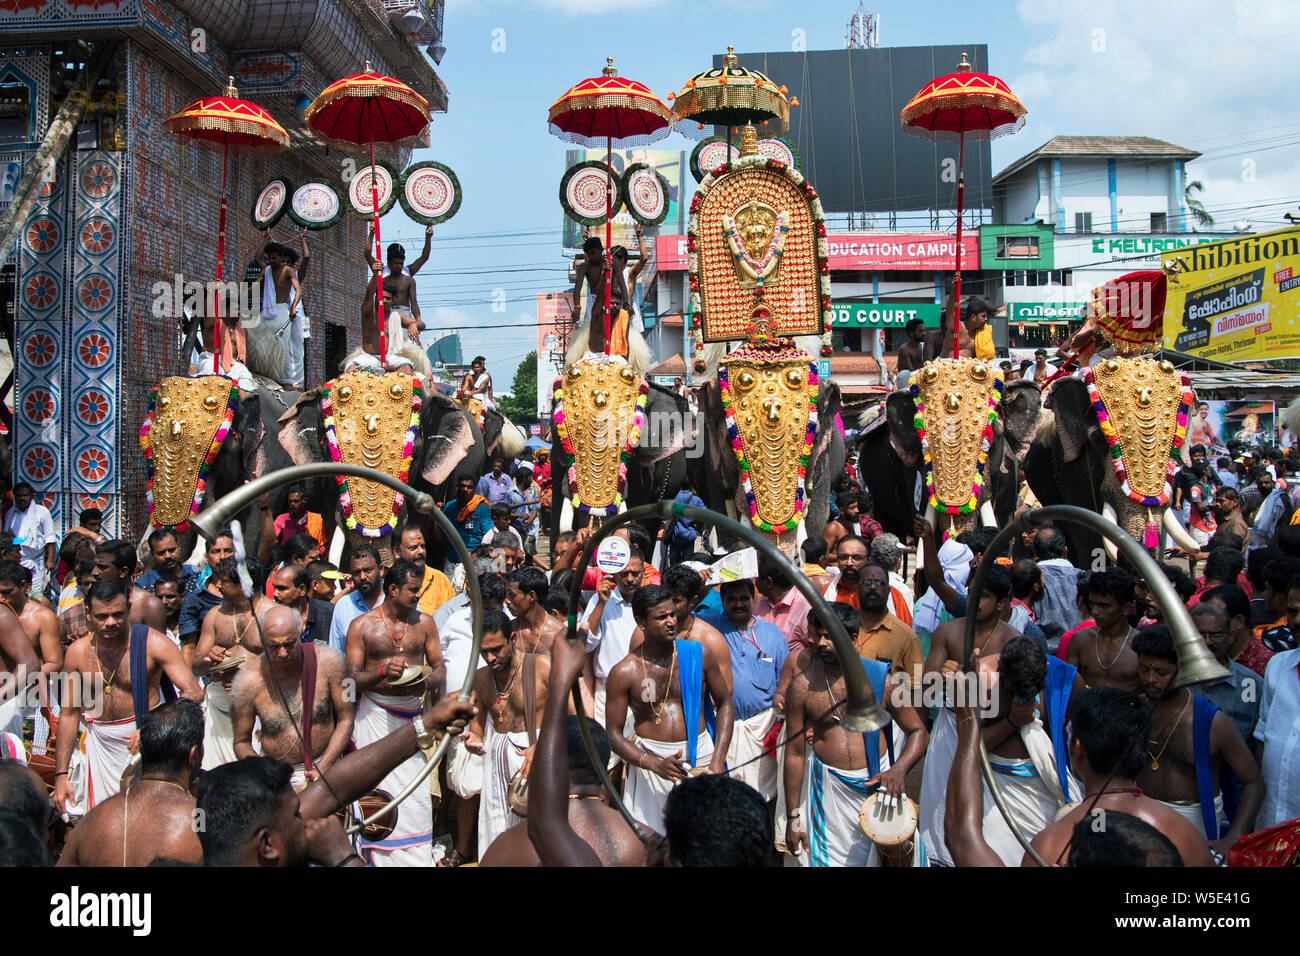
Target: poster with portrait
(1215, 424)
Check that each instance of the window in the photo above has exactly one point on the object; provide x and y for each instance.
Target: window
(15, 109)
(1017, 247)
(1158, 221)
(1083, 222)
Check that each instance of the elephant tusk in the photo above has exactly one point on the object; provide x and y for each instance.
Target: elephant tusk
(1108, 512)
(337, 540)
(987, 516)
(566, 515)
(1179, 534)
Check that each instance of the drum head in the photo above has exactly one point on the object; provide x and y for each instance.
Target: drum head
(645, 193)
(359, 188)
(272, 203)
(316, 205)
(584, 191)
(430, 193)
(885, 824)
(709, 155)
(779, 148)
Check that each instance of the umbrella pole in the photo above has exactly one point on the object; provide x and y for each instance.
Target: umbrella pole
(956, 283)
(609, 235)
(217, 331)
(379, 285)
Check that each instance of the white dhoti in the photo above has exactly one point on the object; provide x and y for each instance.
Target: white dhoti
(293, 357)
(1031, 801)
(835, 836)
(464, 771)
(11, 716)
(238, 371)
(645, 793)
(411, 842)
(746, 745)
(502, 758)
(218, 731)
(298, 778)
(107, 757)
(1190, 810)
(934, 785)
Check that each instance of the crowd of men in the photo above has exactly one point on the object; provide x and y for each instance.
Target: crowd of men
(251, 689)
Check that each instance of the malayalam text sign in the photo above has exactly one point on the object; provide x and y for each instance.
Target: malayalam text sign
(1236, 300)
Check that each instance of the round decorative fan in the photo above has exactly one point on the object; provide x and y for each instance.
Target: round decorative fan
(429, 192)
(780, 148)
(272, 203)
(645, 193)
(584, 191)
(709, 155)
(316, 204)
(359, 188)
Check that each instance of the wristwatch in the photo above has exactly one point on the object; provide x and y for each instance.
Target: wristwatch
(423, 739)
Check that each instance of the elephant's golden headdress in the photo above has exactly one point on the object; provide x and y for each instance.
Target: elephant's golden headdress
(599, 414)
(957, 402)
(372, 419)
(188, 420)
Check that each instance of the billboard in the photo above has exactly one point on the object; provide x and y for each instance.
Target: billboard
(883, 315)
(1235, 300)
(1215, 424)
(673, 165)
(846, 127)
(850, 251)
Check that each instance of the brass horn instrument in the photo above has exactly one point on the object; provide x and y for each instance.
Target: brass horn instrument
(218, 514)
(1196, 663)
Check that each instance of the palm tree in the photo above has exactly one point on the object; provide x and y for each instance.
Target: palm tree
(1195, 206)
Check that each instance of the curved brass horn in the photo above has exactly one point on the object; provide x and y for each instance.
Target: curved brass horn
(863, 714)
(1195, 662)
(219, 513)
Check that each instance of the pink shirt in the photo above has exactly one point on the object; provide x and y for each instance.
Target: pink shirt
(790, 615)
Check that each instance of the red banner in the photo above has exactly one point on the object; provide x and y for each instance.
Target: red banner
(864, 250)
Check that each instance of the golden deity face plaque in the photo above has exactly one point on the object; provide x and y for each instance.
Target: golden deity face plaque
(600, 412)
(371, 417)
(954, 398)
(768, 400)
(189, 415)
(1142, 398)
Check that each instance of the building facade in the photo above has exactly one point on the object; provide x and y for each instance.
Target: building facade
(131, 210)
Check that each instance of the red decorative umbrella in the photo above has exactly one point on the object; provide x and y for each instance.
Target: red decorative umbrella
(225, 122)
(361, 110)
(1130, 310)
(955, 106)
(600, 110)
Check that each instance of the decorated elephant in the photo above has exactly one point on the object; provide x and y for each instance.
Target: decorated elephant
(1111, 442)
(618, 442)
(202, 437)
(389, 422)
(952, 443)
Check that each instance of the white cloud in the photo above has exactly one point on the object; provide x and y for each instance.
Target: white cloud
(1204, 74)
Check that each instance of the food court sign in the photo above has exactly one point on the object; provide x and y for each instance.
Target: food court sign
(881, 315)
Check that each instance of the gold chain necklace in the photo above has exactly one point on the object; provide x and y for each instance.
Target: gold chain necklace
(239, 635)
(397, 642)
(99, 664)
(645, 675)
(1155, 758)
(516, 671)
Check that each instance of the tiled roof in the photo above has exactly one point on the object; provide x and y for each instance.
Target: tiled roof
(1119, 147)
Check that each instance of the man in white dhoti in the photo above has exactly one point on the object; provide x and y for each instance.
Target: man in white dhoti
(477, 384)
(505, 731)
(846, 768)
(1026, 740)
(680, 707)
(116, 686)
(609, 627)
(381, 645)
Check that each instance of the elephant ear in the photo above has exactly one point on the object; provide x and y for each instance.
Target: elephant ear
(448, 435)
(900, 409)
(302, 430)
(1072, 409)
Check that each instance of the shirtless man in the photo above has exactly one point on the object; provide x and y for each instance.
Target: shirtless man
(154, 818)
(401, 324)
(1171, 773)
(1108, 730)
(112, 737)
(381, 644)
(591, 268)
(816, 695)
(534, 629)
(943, 665)
(1103, 654)
(402, 287)
(228, 629)
(396, 254)
(477, 383)
(670, 744)
(261, 692)
(19, 659)
(911, 354)
(687, 589)
(116, 559)
(500, 730)
(38, 622)
(845, 523)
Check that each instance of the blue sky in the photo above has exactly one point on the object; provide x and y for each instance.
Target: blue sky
(1207, 74)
